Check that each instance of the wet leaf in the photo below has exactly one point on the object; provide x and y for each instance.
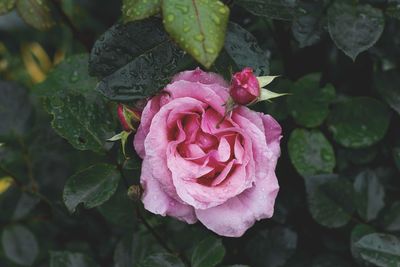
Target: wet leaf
(70, 259)
(139, 9)
(387, 84)
(161, 260)
(36, 13)
(391, 219)
(208, 253)
(272, 9)
(198, 27)
(6, 6)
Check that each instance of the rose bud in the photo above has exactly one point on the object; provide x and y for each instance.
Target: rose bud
(128, 117)
(245, 88)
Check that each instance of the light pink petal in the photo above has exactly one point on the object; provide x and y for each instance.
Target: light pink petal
(213, 94)
(157, 201)
(221, 177)
(273, 133)
(238, 150)
(156, 142)
(224, 150)
(200, 76)
(238, 214)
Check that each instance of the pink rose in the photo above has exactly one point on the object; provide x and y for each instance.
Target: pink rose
(245, 88)
(223, 176)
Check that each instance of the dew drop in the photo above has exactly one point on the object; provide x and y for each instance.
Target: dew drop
(199, 37)
(170, 18)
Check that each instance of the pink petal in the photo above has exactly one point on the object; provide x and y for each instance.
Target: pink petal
(157, 201)
(200, 76)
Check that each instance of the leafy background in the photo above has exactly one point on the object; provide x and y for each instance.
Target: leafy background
(64, 198)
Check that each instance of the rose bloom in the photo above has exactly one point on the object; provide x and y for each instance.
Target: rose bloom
(198, 166)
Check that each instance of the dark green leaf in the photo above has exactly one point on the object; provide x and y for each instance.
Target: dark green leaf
(199, 27)
(393, 9)
(329, 260)
(92, 186)
(388, 84)
(272, 9)
(330, 199)
(391, 220)
(244, 50)
(396, 156)
(379, 249)
(208, 253)
(25, 205)
(19, 245)
(85, 124)
(309, 104)
(359, 122)
(355, 29)
(119, 209)
(70, 259)
(80, 115)
(139, 9)
(6, 6)
(309, 26)
(36, 13)
(369, 195)
(130, 69)
(272, 247)
(162, 260)
(14, 118)
(310, 152)
(359, 231)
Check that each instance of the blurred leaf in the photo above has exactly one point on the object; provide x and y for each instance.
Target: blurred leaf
(359, 122)
(36, 13)
(6, 6)
(14, 117)
(393, 9)
(272, 247)
(244, 50)
(272, 9)
(379, 249)
(130, 69)
(369, 195)
(70, 259)
(388, 84)
(139, 9)
(396, 156)
(161, 260)
(391, 220)
(330, 199)
(309, 25)
(310, 152)
(329, 260)
(308, 103)
(19, 245)
(92, 186)
(25, 205)
(359, 231)
(208, 253)
(367, 24)
(199, 27)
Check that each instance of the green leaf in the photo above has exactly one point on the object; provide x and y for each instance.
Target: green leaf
(133, 249)
(130, 69)
(393, 9)
(19, 245)
(6, 6)
(139, 9)
(310, 152)
(359, 231)
(330, 199)
(244, 50)
(14, 118)
(119, 209)
(199, 27)
(355, 29)
(391, 219)
(329, 260)
(80, 114)
(272, 247)
(272, 9)
(70, 259)
(387, 84)
(25, 205)
(208, 253)
(309, 25)
(359, 122)
(36, 13)
(162, 260)
(369, 195)
(379, 249)
(396, 156)
(308, 103)
(92, 186)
